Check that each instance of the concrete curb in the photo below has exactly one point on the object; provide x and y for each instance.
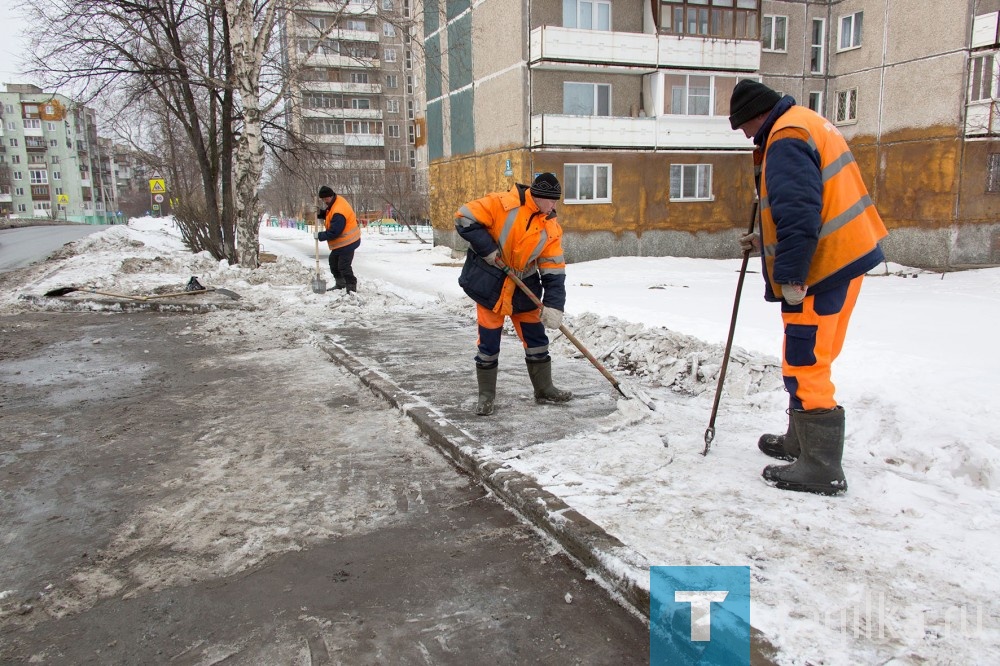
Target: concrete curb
(617, 565)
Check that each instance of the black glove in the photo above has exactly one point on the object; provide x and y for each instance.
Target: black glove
(320, 213)
(323, 235)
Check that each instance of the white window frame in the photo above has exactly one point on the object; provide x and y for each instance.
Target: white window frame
(50, 126)
(686, 92)
(18, 191)
(391, 81)
(392, 106)
(817, 50)
(57, 175)
(595, 97)
(392, 131)
(388, 30)
(587, 14)
(38, 176)
(22, 208)
(702, 176)
(847, 101)
(390, 55)
(12, 125)
(774, 29)
(361, 103)
(984, 71)
(32, 123)
(395, 155)
(850, 27)
(816, 101)
(571, 183)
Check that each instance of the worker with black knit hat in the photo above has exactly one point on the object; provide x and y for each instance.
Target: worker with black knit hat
(517, 231)
(819, 234)
(342, 236)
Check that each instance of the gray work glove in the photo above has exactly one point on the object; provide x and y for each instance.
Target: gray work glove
(750, 242)
(793, 293)
(494, 259)
(551, 318)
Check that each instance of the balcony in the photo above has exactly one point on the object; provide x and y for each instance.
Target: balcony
(341, 61)
(347, 88)
(366, 7)
(364, 140)
(554, 47)
(6, 198)
(39, 192)
(982, 118)
(31, 143)
(660, 133)
(33, 131)
(352, 114)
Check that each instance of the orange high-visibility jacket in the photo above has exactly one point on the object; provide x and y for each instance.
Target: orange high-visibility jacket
(351, 232)
(529, 242)
(819, 226)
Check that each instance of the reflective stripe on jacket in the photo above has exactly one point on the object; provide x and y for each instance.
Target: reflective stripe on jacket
(352, 232)
(819, 226)
(529, 242)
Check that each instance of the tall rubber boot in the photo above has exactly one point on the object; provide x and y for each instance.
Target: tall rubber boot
(782, 447)
(818, 469)
(487, 378)
(540, 373)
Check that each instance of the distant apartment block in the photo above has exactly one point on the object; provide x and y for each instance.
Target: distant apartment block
(358, 100)
(51, 162)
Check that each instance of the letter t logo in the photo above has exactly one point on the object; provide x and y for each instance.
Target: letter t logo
(701, 610)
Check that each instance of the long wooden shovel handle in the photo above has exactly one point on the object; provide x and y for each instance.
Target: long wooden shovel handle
(565, 331)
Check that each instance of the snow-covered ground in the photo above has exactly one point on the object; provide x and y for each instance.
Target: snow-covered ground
(896, 571)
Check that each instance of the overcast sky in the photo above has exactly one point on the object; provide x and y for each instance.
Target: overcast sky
(12, 43)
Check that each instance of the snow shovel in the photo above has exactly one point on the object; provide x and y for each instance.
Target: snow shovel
(62, 291)
(318, 283)
(572, 338)
(710, 432)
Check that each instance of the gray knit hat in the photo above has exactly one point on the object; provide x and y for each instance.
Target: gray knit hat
(546, 186)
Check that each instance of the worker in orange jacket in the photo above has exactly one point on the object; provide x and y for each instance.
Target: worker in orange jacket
(819, 235)
(342, 236)
(516, 230)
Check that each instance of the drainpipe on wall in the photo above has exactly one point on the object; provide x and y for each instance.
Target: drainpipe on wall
(527, 63)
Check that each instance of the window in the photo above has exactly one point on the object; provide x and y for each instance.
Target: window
(850, 31)
(586, 99)
(982, 75)
(847, 106)
(587, 14)
(38, 176)
(361, 103)
(390, 55)
(32, 123)
(729, 19)
(13, 143)
(393, 131)
(691, 95)
(817, 46)
(816, 101)
(388, 30)
(391, 81)
(50, 127)
(8, 108)
(11, 125)
(690, 182)
(359, 77)
(53, 143)
(409, 110)
(22, 208)
(17, 175)
(772, 33)
(395, 155)
(413, 158)
(354, 24)
(19, 191)
(323, 126)
(15, 159)
(362, 127)
(587, 183)
(409, 84)
(408, 60)
(56, 175)
(392, 106)
(993, 172)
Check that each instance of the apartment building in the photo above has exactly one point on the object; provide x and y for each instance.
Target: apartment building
(51, 164)
(914, 89)
(357, 101)
(626, 101)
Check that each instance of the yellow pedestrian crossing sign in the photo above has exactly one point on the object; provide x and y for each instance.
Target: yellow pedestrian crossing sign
(157, 186)
(62, 199)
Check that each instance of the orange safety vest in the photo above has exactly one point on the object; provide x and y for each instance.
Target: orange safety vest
(851, 227)
(352, 232)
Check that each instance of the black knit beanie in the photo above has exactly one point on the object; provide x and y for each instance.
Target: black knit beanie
(749, 100)
(546, 186)
(325, 191)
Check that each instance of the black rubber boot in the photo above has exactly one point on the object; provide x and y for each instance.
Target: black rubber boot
(818, 469)
(782, 447)
(338, 283)
(351, 287)
(540, 373)
(487, 378)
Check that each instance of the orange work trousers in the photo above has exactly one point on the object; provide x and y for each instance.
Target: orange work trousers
(814, 336)
(528, 326)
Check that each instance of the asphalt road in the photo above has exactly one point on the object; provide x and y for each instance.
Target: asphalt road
(174, 492)
(24, 246)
